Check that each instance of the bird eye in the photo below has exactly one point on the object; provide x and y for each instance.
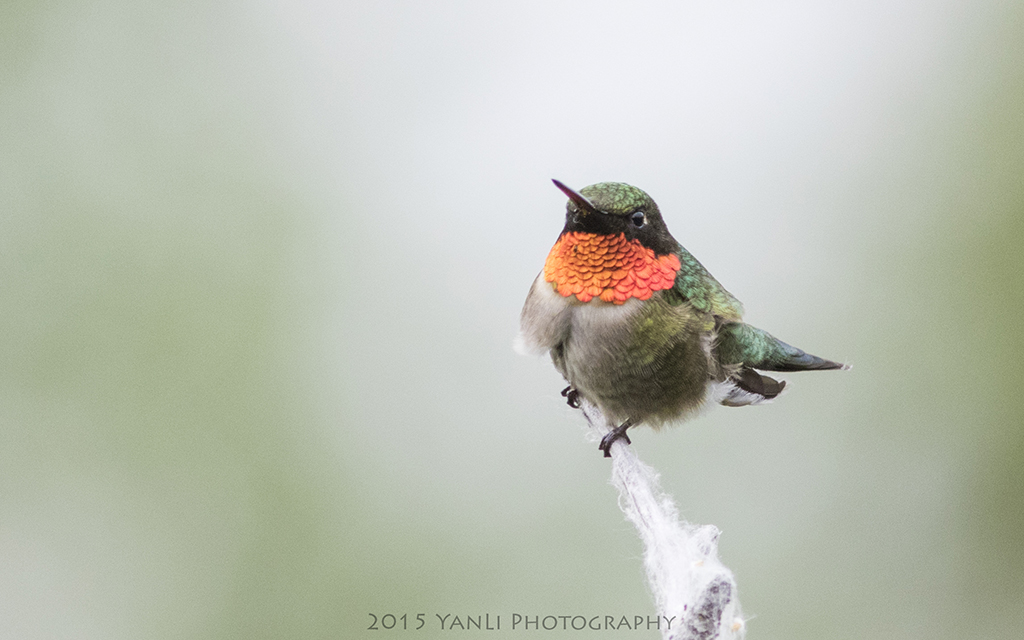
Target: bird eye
(638, 219)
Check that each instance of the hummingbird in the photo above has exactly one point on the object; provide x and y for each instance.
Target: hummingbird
(637, 326)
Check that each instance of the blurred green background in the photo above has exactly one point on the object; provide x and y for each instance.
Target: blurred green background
(261, 265)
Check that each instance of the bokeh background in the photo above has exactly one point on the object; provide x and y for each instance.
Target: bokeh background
(261, 265)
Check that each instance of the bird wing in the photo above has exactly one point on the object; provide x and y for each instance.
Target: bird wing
(741, 343)
(694, 284)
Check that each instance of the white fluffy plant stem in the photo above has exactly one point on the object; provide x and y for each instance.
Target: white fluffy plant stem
(689, 583)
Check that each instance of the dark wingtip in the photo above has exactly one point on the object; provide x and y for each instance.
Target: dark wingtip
(803, 361)
(829, 365)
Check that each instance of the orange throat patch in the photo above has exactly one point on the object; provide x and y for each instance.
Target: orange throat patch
(610, 268)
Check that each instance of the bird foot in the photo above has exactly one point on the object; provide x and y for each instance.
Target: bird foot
(572, 397)
(618, 433)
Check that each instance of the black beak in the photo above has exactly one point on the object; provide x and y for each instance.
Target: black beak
(584, 205)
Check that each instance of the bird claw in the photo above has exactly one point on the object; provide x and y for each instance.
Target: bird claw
(572, 397)
(618, 433)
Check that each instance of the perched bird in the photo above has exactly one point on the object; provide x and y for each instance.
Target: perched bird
(637, 326)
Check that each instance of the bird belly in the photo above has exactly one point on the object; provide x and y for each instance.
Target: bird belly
(643, 360)
(544, 321)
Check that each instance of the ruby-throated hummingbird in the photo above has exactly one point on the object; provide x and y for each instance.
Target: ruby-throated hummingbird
(637, 326)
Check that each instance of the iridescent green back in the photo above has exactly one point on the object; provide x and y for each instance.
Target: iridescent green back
(695, 285)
